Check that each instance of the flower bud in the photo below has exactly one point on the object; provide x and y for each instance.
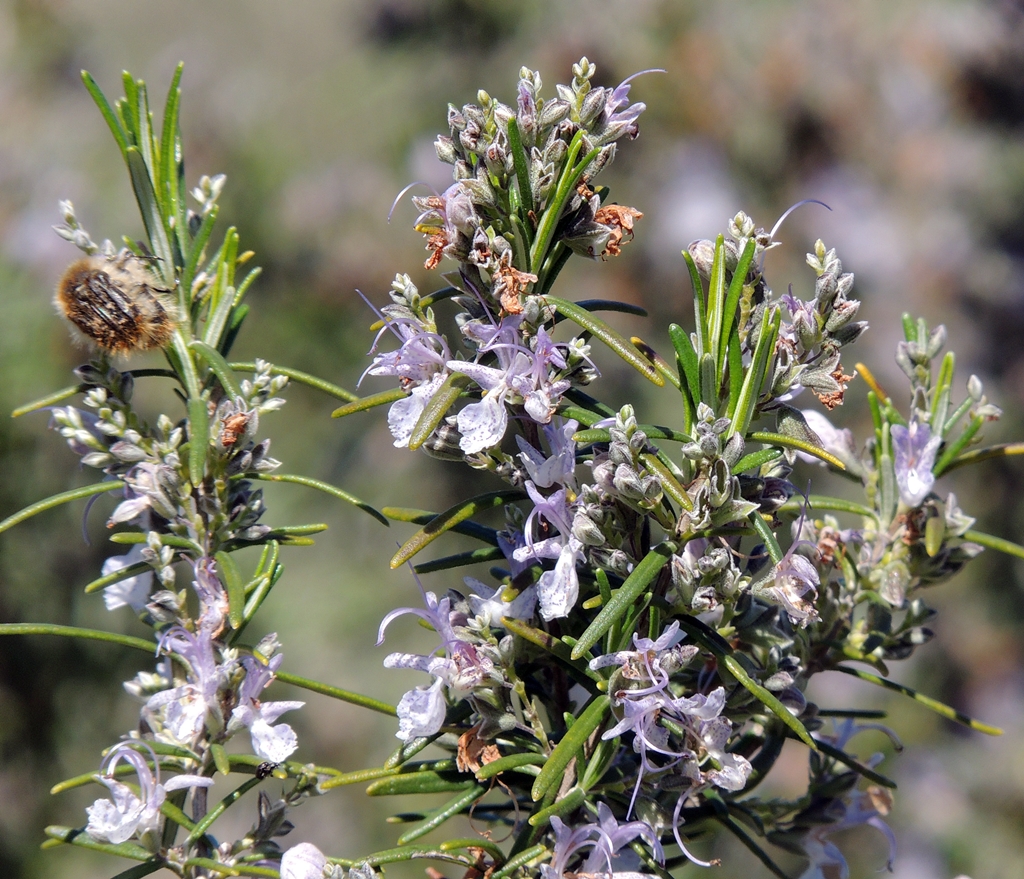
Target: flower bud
(445, 148)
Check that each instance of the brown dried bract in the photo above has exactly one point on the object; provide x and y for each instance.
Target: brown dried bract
(619, 219)
(510, 284)
(830, 401)
(474, 752)
(116, 302)
(234, 425)
(436, 244)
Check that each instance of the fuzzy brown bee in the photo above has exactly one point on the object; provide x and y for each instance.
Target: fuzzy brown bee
(116, 302)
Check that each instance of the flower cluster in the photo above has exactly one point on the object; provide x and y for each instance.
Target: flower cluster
(187, 501)
(649, 642)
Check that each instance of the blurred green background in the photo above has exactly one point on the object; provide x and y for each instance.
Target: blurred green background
(905, 117)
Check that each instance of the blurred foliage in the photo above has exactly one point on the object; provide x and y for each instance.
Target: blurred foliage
(906, 118)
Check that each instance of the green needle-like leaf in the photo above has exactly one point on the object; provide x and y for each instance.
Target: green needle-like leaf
(215, 360)
(613, 339)
(936, 706)
(325, 487)
(746, 403)
(610, 305)
(789, 442)
(460, 560)
(199, 439)
(623, 597)
(832, 504)
(436, 409)
(844, 758)
(218, 810)
(755, 460)
(49, 400)
(521, 163)
(767, 536)
(758, 852)
(1000, 451)
(58, 499)
(953, 450)
(336, 693)
(459, 803)
(409, 853)
(520, 860)
(568, 802)
(669, 483)
(117, 576)
(997, 543)
(732, 299)
(361, 404)
(768, 700)
(575, 737)
(78, 836)
(423, 781)
(451, 517)
(116, 128)
(152, 217)
(140, 870)
(235, 588)
(76, 632)
(424, 517)
(303, 378)
(508, 764)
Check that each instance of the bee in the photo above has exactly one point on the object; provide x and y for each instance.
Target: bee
(116, 302)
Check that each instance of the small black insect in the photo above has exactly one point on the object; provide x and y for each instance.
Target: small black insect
(266, 769)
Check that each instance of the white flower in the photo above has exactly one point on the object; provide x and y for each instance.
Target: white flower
(269, 741)
(131, 592)
(303, 861)
(129, 814)
(421, 712)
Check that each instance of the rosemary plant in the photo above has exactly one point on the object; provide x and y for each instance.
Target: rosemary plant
(659, 598)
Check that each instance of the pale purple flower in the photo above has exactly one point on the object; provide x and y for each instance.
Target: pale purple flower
(405, 413)
(856, 808)
(735, 770)
(131, 592)
(520, 374)
(646, 661)
(128, 813)
(557, 590)
(619, 116)
(558, 469)
(794, 587)
(605, 838)
(914, 450)
(270, 741)
(181, 712)
(462, 669)
(421, 355)
(489, 607)
(795, 581)
(421, 711)
(642, 709)
(835, 441)
(213, 598)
